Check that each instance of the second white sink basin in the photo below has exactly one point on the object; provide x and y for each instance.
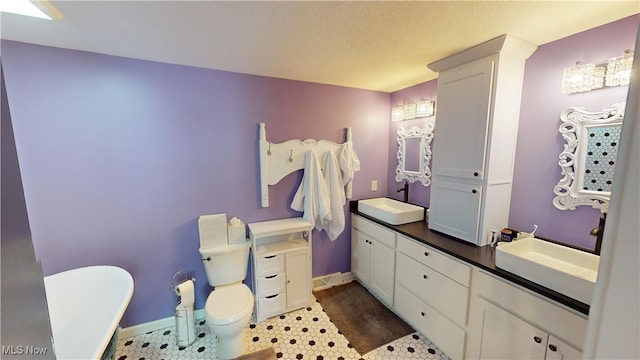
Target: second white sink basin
(568, 271)
(391, 211)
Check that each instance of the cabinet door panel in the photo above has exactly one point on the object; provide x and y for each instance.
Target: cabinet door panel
(455, 208)
(360, 256)
(298, 279)
(382, 271)
(505, 336)
(559, 350)
(463, 114)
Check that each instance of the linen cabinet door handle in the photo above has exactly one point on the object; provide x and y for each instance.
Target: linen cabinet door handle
(422, 313)
(537, 339)
(474, 191)
(425, 277)
(553, 348)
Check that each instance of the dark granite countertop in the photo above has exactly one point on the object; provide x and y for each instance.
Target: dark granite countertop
(482, 257)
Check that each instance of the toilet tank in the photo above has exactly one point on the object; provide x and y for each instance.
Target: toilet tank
(225, 264)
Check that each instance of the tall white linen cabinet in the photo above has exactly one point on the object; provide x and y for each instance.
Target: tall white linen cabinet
(479, 92)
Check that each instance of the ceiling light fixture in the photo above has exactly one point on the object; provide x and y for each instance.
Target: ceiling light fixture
(36, 8)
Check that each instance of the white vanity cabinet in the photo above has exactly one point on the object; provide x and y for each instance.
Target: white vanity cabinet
(507, 322)
(373, 257)
(281, 266)
(478, 111)
(466, 311)
(432, 294)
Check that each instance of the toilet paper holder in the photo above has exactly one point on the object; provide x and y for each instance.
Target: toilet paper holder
(185, 277)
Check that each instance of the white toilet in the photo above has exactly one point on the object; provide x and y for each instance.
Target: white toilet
(229, 306)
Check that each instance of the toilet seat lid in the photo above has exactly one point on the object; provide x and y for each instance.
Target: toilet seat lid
(228, 304)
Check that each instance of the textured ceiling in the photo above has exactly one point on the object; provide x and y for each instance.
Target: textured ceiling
(382, 45)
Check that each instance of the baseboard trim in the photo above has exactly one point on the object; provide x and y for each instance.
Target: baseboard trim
(331, 280)
(154, 325)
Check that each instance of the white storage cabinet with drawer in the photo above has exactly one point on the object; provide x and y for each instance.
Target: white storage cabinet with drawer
(281, 266)
(373, 257)
(432, 294)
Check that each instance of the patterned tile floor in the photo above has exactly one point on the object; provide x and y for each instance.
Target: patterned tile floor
(301, 334)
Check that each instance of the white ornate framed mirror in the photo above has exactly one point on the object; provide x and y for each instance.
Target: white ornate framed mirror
(588, 158)
(414, 154)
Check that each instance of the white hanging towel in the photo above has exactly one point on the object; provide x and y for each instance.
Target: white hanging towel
(312, 196)
(349, 164)
(333, 181)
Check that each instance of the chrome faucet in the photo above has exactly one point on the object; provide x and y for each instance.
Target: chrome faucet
(598, 232)
(405, 188)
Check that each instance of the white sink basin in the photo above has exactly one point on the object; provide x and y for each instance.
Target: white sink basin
(568, 271)
(391, 211)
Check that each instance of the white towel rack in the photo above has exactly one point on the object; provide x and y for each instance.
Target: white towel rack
(278, 160)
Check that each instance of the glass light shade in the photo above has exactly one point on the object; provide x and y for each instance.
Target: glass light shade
(619, 69)
(579, 78)
(424, 108)
(409, 111)
(397, 113)
(598, 77)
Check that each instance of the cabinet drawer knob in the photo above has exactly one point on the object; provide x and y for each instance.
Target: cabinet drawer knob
(422, 313)
(425, 277)
(552, 347)
(476, 173)
(474, 191)
(426, 253)
(537, 339)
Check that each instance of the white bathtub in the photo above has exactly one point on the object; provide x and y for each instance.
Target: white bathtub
(85, 308)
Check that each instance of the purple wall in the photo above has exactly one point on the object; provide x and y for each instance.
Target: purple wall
(536, 170)
(119, 158)
(539, 142)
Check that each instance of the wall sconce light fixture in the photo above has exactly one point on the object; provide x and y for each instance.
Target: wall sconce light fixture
(582, 77)
(397, 113)
(587, 77)
(619, 69)
(424, 108)
(410, 111)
